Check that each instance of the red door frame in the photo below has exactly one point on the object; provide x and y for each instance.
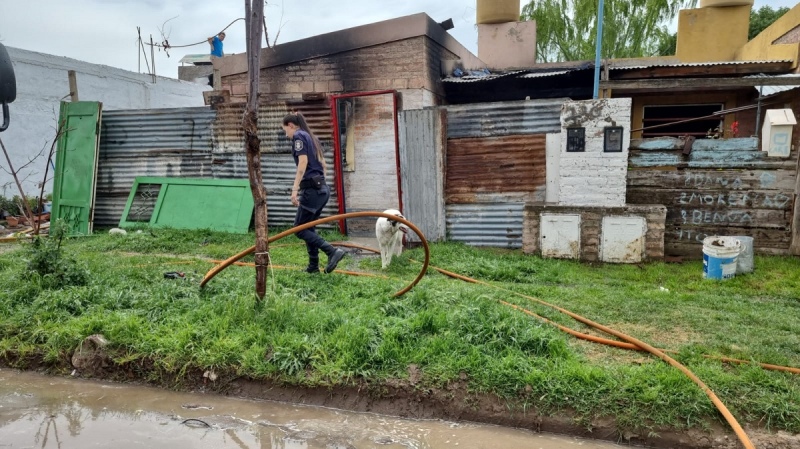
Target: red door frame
(337, 150)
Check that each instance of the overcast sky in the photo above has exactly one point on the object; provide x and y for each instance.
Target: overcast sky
(104, 31)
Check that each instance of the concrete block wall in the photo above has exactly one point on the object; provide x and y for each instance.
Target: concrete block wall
(591, 227)
(42, 83)
(593, 177)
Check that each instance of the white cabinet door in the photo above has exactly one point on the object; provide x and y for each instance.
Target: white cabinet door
(561, 236)
(623, 239)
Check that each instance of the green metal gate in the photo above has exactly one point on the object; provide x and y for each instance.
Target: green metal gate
(76, 165)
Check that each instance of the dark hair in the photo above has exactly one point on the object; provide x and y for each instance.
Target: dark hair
(298, 120)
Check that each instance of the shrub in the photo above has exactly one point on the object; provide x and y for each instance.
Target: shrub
(49, 265)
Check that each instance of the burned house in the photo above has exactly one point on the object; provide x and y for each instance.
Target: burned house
(671, 152)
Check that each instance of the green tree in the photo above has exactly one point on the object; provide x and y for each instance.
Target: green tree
(566, 29)
(762, 18)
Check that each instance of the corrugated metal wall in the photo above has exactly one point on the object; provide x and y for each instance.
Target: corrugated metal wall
(202, 143)
(277, 164)
(149, 142)
(486, 224)
(495, 164)
(504, 118)
(422, 143)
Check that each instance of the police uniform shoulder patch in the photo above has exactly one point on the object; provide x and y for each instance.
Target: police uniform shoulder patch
(298, 145)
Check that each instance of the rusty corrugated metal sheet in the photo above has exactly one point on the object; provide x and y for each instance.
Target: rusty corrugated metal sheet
(278, 169)
(504, 118)
(229, 137)
(497, 224)
(497, 165)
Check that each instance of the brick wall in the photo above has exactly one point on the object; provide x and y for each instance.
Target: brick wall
(593, 177)
(407, 64)
(591, 221)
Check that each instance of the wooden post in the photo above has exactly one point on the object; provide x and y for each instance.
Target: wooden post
(153, 57)
(254, 17)
(794, 247)
(138, 46)
(73, 86)
(217, 80)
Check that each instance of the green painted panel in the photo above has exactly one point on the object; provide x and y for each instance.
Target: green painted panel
(76, 165)
(183, 203)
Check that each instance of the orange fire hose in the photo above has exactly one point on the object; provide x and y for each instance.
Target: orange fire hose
(711, 395)
(229, 261)
(581, 335)
(627, 343)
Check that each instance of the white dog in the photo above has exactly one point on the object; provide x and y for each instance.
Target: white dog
(390, 236)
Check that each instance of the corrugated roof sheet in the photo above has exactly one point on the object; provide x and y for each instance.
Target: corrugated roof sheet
(472, 79)
(194, 59)
(767, 91)
(544, 74)
(698, 64)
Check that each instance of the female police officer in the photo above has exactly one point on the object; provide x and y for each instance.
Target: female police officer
(310, 193)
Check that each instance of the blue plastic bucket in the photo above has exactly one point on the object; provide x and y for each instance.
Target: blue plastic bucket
(719, 257)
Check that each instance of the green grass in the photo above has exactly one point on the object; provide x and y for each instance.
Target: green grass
(331, 330)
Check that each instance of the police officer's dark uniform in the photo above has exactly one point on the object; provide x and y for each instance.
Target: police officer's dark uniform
(313, 195)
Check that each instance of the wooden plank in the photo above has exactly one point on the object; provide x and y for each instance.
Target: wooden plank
(710, 180)
(762, 238)
(658, 143)
(708, 159)
(715, 70)
(712, 200)
(694, 83)
(73, 86)
(745, 218)
(695, 251)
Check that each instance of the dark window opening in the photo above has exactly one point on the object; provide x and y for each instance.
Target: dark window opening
(668, 116)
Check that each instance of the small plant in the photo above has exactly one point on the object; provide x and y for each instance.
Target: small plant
(50, 265)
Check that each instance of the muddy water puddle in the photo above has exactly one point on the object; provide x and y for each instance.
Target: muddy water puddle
(38, 411)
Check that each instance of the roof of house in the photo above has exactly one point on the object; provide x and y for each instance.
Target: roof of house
(349, 39)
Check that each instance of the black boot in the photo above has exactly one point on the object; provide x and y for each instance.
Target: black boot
(313, 265)
(334, 256)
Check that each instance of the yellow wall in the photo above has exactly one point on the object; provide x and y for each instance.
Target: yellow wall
(712, 34)
(761, 47)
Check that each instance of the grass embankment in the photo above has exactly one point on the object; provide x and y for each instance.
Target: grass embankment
(331, 330)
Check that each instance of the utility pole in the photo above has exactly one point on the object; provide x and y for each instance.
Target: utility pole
(138, 45)
(153, 57)
(254, 17)
(599, 48)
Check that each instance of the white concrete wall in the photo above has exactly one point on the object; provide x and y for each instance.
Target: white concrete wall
(42, 83)
(594, 178)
